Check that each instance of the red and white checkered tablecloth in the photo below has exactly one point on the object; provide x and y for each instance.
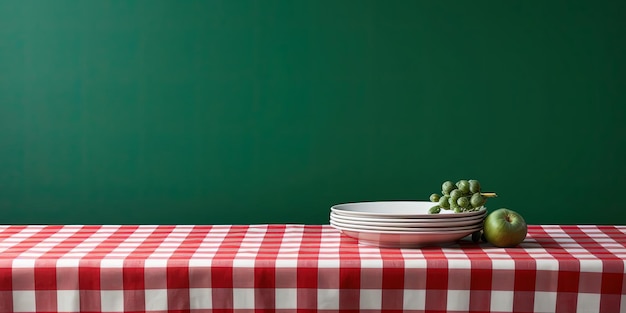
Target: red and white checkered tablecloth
(303, 268)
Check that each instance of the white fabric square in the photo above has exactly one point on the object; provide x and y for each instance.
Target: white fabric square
(328, 263)
(158, 263)
(24, 301)
(459, 264)
(111, 263)
(243, 298)
(286, 298)
(371, 299)
(328, 299)
(590, 265)
(23, 263)
(112, 300)
(458, 300)
(371, 263)
(67, 262)
(502, 301)
(68, 301)
(588, 302)
(503, 264)
(156, 299)
(414, 299)
(286, 263)
(545, 301)
(200, 298)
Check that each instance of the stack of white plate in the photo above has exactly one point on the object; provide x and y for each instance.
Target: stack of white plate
(403, 224)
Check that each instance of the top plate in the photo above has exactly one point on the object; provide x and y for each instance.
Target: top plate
(397, 209)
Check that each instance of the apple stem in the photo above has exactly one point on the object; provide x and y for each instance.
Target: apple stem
(488, 194)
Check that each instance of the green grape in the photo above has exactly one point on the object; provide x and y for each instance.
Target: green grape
(477, 200)
(474, 186)
(464, 186)
(463, 202)
(434, 210)
(443, 202)
(446, 187)
(434, 197)
(455, 194)
(452, 202)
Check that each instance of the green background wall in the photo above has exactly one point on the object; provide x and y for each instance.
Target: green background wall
(237, 112)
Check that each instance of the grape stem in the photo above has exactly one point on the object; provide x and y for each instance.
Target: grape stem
(488, 194)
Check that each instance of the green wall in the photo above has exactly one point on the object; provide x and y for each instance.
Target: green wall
(238, 112)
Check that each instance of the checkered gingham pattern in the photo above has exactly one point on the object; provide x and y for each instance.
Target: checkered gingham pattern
(303, 268)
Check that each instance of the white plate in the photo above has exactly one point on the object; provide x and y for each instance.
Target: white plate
(475, 226)
(397, 209)
(403, 239)
(398, 222)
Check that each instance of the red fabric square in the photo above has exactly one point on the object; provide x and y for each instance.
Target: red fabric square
(89, 278)
(89, 301)
(46, 300)
(437, 278)
(481, 279)
(459, 279)
(611, 283)
(221, 277)
(243, 277)
(264, 298)
(372, 278)
(480, 300)
(23, 278)
(6, 300)
(111, 279)
(590, 282)
(264, 277)
(547, 281)
(133, 278)
(177, 299)
(349, 278)
(286, 277)
(393, 278)
(328, 278)
(436, 300)
(134, 300)
(349, 299)
(45, 278)
(568, 281)
(392, 299)
(177, 277)
(524, 301)
(608, 303)
(200, 277)
(6, 279)
(415, 278)
(67, 278)
(525, 280)
(307, 277)
(503, 280)
(566, 302)
(307, 298)
(222, 298)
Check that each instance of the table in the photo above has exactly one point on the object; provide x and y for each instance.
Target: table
(303, 268)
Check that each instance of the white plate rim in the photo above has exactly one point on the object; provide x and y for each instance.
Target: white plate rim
(340, 209)
(433, 226)
(406, 221)
(469, 231)
(408, 229)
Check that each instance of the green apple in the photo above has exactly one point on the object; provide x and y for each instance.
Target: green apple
(505, 228)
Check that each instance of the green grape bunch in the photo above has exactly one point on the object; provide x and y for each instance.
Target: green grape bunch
(462, 196)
